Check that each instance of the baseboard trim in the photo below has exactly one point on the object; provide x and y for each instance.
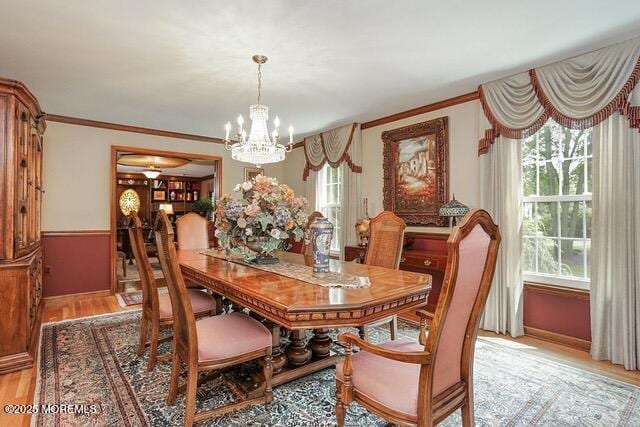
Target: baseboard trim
(103, 293)
(557, 338)
(76, 233)
(15, 362)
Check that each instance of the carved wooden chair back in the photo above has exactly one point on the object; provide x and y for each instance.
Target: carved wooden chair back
(147, 279)
(184, 321)
(472, 253)
(301, 247)
(386, 238)
(193, 231)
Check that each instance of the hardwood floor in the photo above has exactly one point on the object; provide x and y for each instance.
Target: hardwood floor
(19, 387)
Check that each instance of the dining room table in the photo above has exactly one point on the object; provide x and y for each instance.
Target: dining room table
(301, 310)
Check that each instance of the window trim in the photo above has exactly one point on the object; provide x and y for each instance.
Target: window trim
(551, 279)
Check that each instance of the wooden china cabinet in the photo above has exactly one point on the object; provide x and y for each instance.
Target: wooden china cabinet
(21, 127)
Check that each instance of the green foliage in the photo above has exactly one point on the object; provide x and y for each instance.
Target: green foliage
(203, 207)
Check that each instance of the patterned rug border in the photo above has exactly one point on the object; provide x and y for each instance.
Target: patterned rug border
(93, 316)
(541, 359)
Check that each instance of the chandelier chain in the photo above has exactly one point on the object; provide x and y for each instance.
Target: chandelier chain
(259, 81)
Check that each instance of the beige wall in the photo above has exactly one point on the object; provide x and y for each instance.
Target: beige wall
(464, 166)
(76, 172)
(292, 171)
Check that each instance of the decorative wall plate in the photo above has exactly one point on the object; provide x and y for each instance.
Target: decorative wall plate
(129, 201)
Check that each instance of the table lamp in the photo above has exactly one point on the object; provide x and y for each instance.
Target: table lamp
(454, 210)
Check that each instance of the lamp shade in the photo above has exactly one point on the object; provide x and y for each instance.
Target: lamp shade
(151, 172)
(167, 208)
(453, 209)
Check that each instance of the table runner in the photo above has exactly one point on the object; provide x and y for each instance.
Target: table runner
(299, 272)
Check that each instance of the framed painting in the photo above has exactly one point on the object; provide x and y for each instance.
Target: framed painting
(159, 195)
(250, 173)
(416, 171)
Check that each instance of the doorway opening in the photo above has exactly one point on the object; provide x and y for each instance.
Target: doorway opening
(146, 181)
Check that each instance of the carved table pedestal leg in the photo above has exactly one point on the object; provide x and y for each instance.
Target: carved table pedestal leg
(297, 351)
(320, 344)
(278, 359)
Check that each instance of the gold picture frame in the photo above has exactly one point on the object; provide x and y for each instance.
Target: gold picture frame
(250, 172)
(416, 171)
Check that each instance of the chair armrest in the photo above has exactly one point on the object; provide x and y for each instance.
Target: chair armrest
(424, 314)
(425, 317)
(416, 357)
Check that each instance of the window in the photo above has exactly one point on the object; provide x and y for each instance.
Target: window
(556, 175)
(329, 199)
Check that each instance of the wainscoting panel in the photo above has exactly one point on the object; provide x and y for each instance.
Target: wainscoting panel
(558, 312)
(75, 262)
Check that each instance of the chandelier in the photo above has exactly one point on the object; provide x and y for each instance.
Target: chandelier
(259, 148)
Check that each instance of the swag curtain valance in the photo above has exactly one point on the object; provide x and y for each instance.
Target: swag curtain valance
(577, 93)
(334, 147)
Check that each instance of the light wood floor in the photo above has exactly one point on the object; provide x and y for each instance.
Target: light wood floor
(19, 387)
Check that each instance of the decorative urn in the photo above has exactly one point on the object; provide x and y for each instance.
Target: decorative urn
(321, 234)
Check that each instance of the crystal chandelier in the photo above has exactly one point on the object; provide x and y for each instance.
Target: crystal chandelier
(258, 148)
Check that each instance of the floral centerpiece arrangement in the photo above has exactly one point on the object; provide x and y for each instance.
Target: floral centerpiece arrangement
(261, 220)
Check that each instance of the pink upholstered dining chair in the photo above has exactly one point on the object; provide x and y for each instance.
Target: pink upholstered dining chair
(212, 344)
(193, 232)
(422, 383)
(156, 308)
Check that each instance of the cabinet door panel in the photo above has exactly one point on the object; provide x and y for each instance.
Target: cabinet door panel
(23, 184)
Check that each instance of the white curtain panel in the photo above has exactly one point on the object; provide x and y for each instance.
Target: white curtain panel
(310, 187)
(501, 196)
(352, 208)
(615, 263)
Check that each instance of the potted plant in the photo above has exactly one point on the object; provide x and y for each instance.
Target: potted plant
(261, 220)
(203, 207)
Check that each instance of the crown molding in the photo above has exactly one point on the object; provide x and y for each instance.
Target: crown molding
(471, 96)
(128, 128)
(461, 99)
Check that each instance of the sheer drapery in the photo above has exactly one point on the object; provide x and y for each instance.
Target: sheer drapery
(333, 147)
(352, 209)
(578, 93)
(501, 196)
(310, 189)
(615, 274)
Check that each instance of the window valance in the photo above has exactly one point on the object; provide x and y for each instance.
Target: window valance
(578, 93)
(333, 147)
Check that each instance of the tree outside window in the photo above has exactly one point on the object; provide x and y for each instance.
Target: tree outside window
(557, 164)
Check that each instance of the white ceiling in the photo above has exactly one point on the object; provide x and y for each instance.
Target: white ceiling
(185, 65)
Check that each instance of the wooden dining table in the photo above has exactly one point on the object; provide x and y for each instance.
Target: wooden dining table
(298, 306)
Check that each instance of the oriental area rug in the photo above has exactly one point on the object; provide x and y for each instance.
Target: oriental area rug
(92, 361)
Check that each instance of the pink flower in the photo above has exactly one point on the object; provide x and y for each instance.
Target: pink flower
(252, 210)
